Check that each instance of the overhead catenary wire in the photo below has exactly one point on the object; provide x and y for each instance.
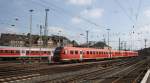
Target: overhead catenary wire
(138, 9)
(124, 10)
(69, 14)
(59, 10)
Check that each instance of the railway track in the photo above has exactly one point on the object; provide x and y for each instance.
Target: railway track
(88, 75)
(59, 73)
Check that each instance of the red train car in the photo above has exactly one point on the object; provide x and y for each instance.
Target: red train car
(19, 52)
(77, 53)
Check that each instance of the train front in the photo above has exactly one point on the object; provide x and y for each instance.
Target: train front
(57, 54)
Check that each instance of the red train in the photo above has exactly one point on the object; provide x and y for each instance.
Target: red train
(62, 53)
(24, 52)
(77, 53)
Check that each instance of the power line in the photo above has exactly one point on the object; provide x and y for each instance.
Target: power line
(138, 9)
(69, 14)
(124, 10)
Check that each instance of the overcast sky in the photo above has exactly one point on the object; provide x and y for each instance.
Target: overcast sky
(127, 19)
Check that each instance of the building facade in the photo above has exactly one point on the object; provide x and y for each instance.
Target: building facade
(17, 40)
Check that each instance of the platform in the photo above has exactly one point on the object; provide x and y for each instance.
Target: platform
(146, 78)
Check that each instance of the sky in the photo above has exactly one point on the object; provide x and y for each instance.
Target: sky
(128, 20)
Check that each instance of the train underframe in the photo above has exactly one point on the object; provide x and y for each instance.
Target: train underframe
(25, 59)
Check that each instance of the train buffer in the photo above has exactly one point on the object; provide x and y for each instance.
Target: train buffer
(146, 78)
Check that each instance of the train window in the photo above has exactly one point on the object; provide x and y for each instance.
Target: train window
(8, 51)
(39, 52)
(71, 52)
(46, 52)
(32, 51)
(5, 51)
(93, 52)
(106, 52)
(35, 52)
(49, 52)
(1, 51)
(17, 51)
(23, 51)
(76, 52)
(87, 52)
(90, 52)
(27, 52)
(81, 52)
(99, 52)
(96, 52)
(12, 51)
(65, 51)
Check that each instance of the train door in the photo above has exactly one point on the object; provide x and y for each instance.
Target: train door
(81, 55)
(109, 53)
(50, 56)
(22, 53)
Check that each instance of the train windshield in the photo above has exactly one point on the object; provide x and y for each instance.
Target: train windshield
(57, 53)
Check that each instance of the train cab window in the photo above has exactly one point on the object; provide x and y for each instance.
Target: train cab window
(71, 52)
(65, 51)
(87, 52)
(76, 52)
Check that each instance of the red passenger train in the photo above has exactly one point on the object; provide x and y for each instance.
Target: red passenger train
(62, 53)
(78, 53)
(24, 52)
